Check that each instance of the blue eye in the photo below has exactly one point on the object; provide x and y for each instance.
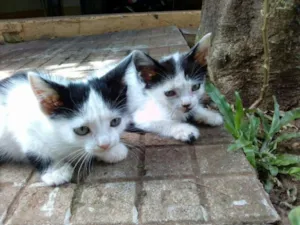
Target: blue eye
(81, 131)
(115, 122)
(195, 87)
(170, 93)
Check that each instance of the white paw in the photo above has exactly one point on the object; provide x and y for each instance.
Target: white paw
(58, 176)
(115, 154)
(215, 119)
(185, 132)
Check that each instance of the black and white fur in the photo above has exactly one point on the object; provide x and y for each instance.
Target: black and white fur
(55, 123)
(164, 94)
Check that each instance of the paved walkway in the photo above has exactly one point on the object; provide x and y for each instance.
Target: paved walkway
(162, 182)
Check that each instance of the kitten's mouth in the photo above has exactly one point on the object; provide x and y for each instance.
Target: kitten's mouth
(186, 110)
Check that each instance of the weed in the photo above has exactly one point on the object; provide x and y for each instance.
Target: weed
(259, 138)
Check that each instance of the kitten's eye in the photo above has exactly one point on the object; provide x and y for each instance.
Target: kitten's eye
(115, 122)
(81, 131)
(195, 87)
(170, 93)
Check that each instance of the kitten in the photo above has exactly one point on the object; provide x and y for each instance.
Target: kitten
(168, 92)
(54, 122)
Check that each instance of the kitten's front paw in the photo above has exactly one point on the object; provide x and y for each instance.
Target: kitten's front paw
(215, 119)
(115, 154)
(185, 132)
(58, 176)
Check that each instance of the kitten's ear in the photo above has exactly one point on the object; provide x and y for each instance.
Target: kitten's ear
(145, 65)
(199, 52)
(48, 98)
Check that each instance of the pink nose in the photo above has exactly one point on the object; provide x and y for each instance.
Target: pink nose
(104, 147)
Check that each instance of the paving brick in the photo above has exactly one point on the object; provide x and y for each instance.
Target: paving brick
(156, 140)
(168, 160)
(43, 205)
(179, 48)
(111, 203)
(7, 195)
(159, 52)
(238, 199)
(158, 41)
(141, 41)
(127, 168)
(171, 200)
(131, 138)
(213, 135)
(176, 40)
(215, 159)
(16, 174)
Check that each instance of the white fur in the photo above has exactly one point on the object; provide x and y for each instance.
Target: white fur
(25, 128)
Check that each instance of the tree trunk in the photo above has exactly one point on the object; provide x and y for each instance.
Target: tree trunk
(237, 54)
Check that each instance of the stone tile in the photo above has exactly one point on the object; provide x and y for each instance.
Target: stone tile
(127, 168)
(213, 135)
(176, 40)
(131, 138)
(238, 199)
(43, 205)
(111, 203)
(7, 195)
(216, 159)
(158, 41)
(159, 52)
(17, 174)
(156, 140)
(171, 200)
(179, 48)
(168, 160)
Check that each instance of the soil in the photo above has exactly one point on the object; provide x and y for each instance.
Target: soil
(282, 201)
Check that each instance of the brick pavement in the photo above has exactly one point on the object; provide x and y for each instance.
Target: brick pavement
(162, 182)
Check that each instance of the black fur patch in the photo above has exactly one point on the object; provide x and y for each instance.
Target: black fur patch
(39, 163)
(112, 86)
(192, 69)
(162, 71)
(166, 69)
(4, 84)
(73, 97)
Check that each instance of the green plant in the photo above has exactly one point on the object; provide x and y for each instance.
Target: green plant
(294, 216)
(258, 137)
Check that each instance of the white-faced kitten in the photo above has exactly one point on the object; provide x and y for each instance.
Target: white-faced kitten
(53, 122)
(170, 91)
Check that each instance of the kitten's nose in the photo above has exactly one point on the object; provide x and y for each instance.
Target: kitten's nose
(187, 106)
(104, 147)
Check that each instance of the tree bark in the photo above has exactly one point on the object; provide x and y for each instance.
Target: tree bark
(237, 54)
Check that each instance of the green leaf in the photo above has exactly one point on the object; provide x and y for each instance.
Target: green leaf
(238, 144)
(294, 216)
(269, 184)
(253, 127)
(250, 154)
(285, 160)
(239, 114)
(290, 116)
(287, 136)
(223, 107)
(293, 171)
(275, 126)
(265, 124)
(273, 170)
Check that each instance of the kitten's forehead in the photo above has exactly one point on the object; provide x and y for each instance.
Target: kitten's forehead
(96, 108)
